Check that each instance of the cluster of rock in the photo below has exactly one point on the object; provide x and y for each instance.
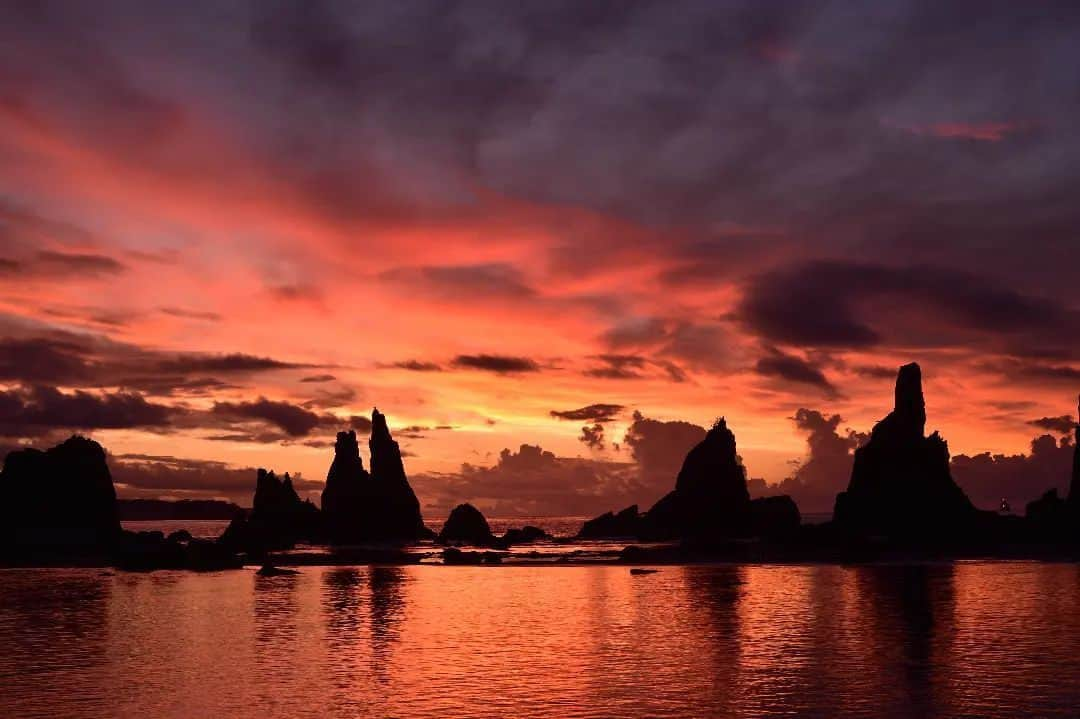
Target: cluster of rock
(357, 506)
(278, 520)
(710, 500)
(900, 484)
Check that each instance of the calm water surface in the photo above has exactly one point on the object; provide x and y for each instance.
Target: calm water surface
(966, 639)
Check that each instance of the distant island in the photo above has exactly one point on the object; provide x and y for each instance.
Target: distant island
(180, 509)
(901, 501)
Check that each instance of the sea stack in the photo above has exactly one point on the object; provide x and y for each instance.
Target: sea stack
(900, 482)
(710, 501)
(399, 509)
(710, 495)
(358, 506)
(60, 498)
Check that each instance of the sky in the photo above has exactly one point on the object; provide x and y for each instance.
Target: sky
(552, 241)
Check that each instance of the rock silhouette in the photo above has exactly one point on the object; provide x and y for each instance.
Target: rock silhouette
(626, 523)
(278, 520)
(710, 495)
(523, 535)
(62, 497)
(900, 482)
(466, 525)
(710, 500)
(358, 506)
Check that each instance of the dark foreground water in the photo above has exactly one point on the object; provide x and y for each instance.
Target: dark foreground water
(967, 639)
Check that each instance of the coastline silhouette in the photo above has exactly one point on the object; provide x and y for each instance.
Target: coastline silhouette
(901, 500)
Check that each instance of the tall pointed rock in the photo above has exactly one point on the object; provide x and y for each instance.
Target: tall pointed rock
(710, 494)
(400, 509)
(347, 497)
(900, 482)
(358, 506)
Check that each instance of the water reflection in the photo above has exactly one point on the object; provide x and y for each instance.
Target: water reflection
(908, 614)
(970, 639)
(387, 610)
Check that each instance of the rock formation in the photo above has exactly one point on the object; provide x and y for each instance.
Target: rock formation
(466, 525)
(710, 495)
(278, 520)
(626, 523)
(60, 498)
(900, 482)
(358, 506)
(523, 535)
(710, 500)
(399, 509)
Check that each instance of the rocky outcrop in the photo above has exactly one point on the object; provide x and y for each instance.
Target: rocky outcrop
(278, 520)
(710, 501)
(466, 525)
(347, 498)
(900, 482)
(523, 535)
(380, 506)
(61, 498)
(710, 495)
(626, 523)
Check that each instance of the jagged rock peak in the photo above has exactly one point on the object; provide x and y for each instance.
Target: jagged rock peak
(346, 446)
(909, 406)
(380, 431)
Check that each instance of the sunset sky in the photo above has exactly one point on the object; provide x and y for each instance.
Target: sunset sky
(229, 229)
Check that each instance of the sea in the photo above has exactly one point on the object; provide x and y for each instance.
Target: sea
(954, 639)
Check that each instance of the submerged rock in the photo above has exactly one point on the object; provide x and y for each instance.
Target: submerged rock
(62, 498)
(466, 525)
(900, 484)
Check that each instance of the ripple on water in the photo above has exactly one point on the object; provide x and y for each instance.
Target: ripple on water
(959, 639)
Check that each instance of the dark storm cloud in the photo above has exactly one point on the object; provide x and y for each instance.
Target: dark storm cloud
(31, 353)
(318, 378)
(853, 305)
(499, 364)
(1062, 425)
(417, 366)
(790, 368)
(38, 410)
(615, 366)
(592, 413)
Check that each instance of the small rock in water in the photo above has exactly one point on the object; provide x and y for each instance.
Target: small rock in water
(269, 570)
(637, 570)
